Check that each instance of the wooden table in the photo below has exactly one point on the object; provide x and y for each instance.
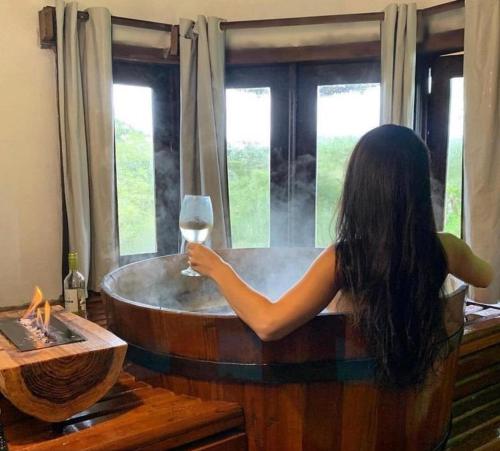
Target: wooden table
(132, 416)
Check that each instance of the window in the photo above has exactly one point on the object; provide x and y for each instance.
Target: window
(248, 162)
(445, 140)
(453, 193)
(258, 145)
(135, 169)
(146, 109)
(345, 112)
(290, 130)
(336, 105)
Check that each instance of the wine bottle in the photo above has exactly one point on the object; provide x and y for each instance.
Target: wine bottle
(75, 288)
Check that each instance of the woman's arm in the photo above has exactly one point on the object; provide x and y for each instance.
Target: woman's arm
(463, 263)
(270, 321)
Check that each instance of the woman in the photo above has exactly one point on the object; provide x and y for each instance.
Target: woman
(388, 260)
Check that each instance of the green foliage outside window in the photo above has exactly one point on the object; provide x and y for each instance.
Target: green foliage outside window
(453, 196)
(249, 189)
(249, 194)
(135, 186)
(332, 158)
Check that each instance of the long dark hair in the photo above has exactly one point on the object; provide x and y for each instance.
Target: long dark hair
(389, 257)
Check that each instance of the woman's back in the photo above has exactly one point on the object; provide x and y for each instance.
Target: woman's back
(388, 259)
(461, 262)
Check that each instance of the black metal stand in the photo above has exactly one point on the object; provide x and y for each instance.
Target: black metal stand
(57, 428)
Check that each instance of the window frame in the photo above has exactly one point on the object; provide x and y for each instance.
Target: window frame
(310, 76)
(442, 70)
(164, 83)
(277, 78)
(293, 136)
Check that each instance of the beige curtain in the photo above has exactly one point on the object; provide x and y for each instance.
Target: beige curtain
(398, 42)
(85, 85)
(202, 134)
(482, 136)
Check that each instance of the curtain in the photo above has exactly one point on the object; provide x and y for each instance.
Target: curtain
(398, 43)
(202, 134)
(85, 85)
(482, 136)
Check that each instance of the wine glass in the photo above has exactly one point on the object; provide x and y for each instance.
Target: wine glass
(195, 221)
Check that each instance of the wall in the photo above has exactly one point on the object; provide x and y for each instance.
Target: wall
(30, 197)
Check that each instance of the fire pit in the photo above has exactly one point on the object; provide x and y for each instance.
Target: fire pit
(31, 332)
(53, 366)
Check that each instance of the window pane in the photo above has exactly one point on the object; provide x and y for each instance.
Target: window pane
(345, 112)
(135, 169)
(453, 197)
(248, 131)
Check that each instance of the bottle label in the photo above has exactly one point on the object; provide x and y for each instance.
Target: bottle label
(71, 300)
(82, 302)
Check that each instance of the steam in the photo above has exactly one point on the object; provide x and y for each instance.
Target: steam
(157, 282)
(437, 190)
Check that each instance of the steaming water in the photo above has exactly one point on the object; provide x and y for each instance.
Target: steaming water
(158, 282)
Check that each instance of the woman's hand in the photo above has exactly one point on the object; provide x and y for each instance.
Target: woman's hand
(204, 260)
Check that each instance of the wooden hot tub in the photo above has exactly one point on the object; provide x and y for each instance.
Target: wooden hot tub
(312, 390)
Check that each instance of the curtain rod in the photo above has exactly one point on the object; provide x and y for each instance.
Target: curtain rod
(115, 20)
(265, 23)
(337, 18)
(312, 20)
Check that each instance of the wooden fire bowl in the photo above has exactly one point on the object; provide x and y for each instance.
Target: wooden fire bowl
(53, 384)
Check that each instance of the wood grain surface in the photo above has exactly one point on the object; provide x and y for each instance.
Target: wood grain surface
(54, 383)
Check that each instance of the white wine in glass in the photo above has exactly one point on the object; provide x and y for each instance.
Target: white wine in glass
(196, 221)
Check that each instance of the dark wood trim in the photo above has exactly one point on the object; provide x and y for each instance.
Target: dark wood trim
(334, 18)
(137, 54)
(48, 29)
(442, 43)
(435, 44)
(174, 41)
(442, 70)
(341, 52)
(164, 82)
(443, 7)
(310, 76)
(294, 21)
(267, 23)
(421, 95)
(47, 26)
(277, 78)
(135, 23)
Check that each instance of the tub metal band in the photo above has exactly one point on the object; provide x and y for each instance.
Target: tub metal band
(267, 373)
(342, 370)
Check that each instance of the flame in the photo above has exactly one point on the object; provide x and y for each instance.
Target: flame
(46, 316)
(39, 322)
(36, 300)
